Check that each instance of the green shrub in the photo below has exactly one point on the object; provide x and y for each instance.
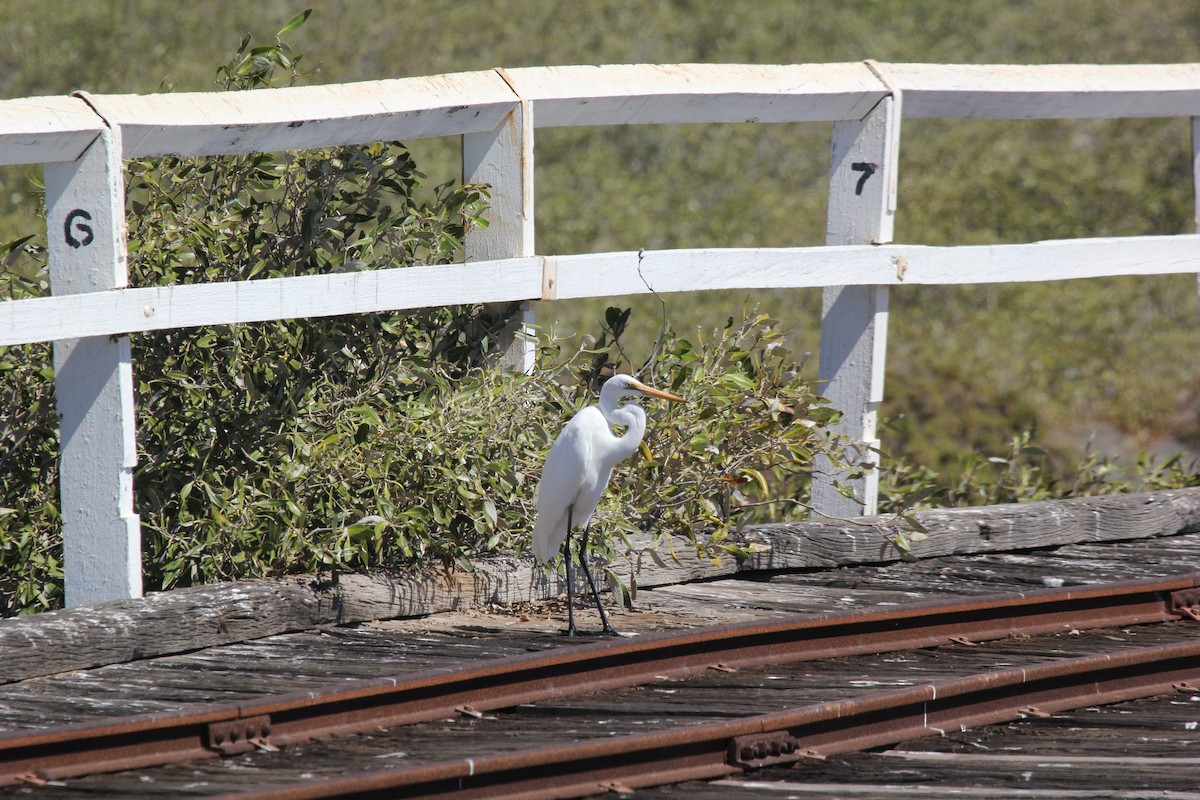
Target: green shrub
(450, 474)
(224, 414)
(1023, 473)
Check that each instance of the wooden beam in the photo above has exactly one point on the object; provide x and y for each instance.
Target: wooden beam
(189, 305)
(982, 529)
(966, 788)
(206, 123)
(160, 623)
(37, 130)
(632, 273)
(204, 616)
(638, 94)
(1041, 759)
(1046, 91)
(133, 310)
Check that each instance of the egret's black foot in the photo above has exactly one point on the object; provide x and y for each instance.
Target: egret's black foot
(606, 631)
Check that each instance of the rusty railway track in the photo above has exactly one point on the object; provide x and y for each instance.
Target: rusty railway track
(701, 751)
(721, 749)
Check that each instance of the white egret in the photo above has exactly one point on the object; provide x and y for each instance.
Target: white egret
(577, 470)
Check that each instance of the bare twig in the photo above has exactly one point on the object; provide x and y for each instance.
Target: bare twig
(652, 360)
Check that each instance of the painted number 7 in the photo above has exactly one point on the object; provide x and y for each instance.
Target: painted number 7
(867, 169)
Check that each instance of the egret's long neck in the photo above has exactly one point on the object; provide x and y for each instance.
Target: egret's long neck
(629, 416)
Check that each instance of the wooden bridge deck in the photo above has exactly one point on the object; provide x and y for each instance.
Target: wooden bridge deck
(1149, 738)
(331, 654)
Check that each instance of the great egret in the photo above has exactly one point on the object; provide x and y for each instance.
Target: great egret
(577, 470)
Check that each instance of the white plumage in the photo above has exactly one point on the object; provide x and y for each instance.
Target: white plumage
(578, 468)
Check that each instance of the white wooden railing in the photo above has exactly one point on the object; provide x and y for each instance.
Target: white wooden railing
(83, 139)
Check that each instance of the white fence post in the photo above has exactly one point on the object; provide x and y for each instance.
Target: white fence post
(1196, 184)
(503, 158)
(85, 218)
(862, 204)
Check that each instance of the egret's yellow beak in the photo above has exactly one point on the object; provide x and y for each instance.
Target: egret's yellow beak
(659, 393)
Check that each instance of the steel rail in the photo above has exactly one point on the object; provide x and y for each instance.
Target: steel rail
(229, 728)
(718, 749)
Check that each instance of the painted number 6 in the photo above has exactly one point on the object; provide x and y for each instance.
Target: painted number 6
(77, 223)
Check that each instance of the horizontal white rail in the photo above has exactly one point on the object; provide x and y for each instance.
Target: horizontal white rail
(198, 123)
(307, 116)
(138, 310)
(118, 311)
(82, 140)
(673, 93)
(1047, 91)
(41, 129)
(868, 265)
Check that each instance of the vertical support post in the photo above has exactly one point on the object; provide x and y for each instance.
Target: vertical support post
(1196, 184)
(862, 205)
(93, 380)
(503, 158)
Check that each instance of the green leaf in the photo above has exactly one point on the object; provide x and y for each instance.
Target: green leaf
(295, 22)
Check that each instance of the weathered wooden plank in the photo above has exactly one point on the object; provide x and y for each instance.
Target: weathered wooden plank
(1037, 759)
(1047, 91)
(383, 596)
(188, 305)
(791, 598)
(901, 786)
(978, 530)
(824, 545)
(35, 130)
(205, 123)
(189, 619)
(158, 624)
(634, 94)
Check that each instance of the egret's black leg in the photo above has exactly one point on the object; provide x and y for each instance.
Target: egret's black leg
(570, 579)
(591, 583)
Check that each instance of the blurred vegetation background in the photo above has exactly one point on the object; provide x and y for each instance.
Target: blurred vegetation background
(1101, 372)
(1106, 364)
